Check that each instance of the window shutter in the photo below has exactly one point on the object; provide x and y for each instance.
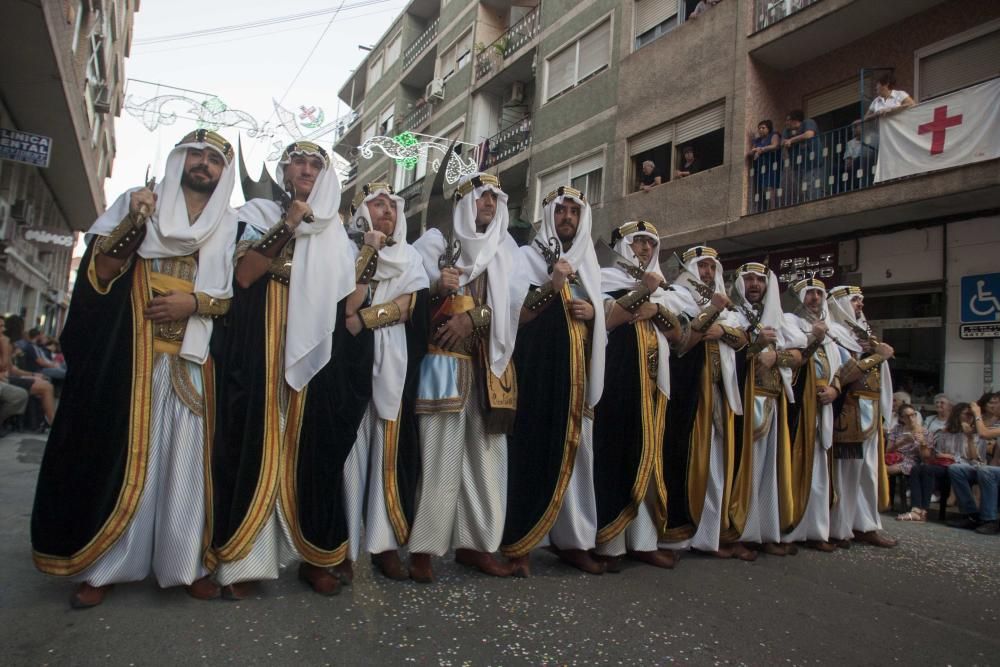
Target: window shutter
(595, 51)
(560, 70)
(702, 122)
(549, 182)
(464, 44)
(650, 139)
(962, 65)
(651, 13)
(368, 133)
(835, 98)
(392, 51)
(587, 164)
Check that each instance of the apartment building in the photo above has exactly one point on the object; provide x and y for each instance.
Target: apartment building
(63, 78)
(554, 92)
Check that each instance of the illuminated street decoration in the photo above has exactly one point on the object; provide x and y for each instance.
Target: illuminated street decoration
(407, 148)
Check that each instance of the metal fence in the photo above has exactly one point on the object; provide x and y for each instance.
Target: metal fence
(829, 164)
(426, 37)
(508, 142)
(768, 12)
(491, 58)
(416, 118)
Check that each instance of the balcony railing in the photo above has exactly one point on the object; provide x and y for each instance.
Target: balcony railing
(416, 118)
(831, 163)
(345, 122)
(491, 58)
(769, 12)
(508, 142)
(412, 191)
(422, 42)
(351, 172)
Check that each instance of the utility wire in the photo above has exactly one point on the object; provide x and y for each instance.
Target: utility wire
(274, 20)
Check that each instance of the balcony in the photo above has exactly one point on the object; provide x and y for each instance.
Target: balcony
(769, 12)
(491, 58)
(417, 118)
(411, 191)
(414, 50)
(508, 142)
(345, 122)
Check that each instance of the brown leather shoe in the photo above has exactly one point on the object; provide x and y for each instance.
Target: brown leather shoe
(483, 561)
(390, 565)
(520, 566)
(876, 539)
(743, 553)
(612, 564)
(241, 590)
(420, 568)
(203, 589)
(344, 572)
(86, 596)
(319, 579)
(825, 547)
(581, 560)
(660, 558)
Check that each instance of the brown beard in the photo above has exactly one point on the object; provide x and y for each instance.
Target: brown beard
(207, 187)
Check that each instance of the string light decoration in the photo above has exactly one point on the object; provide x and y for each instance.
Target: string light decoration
(408, 147)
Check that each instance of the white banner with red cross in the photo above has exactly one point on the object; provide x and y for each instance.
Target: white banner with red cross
(948, 131)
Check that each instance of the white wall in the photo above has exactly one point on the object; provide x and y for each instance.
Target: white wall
(973, 247)
(911, 256)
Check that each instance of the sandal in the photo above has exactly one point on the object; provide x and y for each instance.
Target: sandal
(913, 515)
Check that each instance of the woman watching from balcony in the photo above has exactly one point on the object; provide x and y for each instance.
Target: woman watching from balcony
(889, 99)
(765, 156)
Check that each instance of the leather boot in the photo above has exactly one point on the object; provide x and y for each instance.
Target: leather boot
(420, 568)
(319, 579)
(344, 572)
(203, 589)
(390, 565)
(660, 558)
(483, 561)
(86, 596)
(581, 560)
(241, 590)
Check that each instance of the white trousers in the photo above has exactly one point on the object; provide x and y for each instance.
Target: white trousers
(272, 550)
(165, 533)
(639, 535)
(363, 481)
(763, 524)
(815, 523)
(576, 524)
(463, 490)
(857, 493)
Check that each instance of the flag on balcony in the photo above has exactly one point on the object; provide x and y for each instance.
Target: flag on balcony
(948, 131)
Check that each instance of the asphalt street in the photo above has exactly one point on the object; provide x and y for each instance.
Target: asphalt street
(934, 600)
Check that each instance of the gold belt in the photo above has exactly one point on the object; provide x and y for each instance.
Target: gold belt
(168, 336)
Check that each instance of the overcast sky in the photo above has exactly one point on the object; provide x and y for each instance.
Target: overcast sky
(246, 69)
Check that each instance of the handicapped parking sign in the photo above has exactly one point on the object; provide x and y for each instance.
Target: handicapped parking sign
(981, 298)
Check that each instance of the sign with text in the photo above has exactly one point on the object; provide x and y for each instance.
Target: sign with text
(33, 149)
(974, 331)
(791, 266)
(981, 298)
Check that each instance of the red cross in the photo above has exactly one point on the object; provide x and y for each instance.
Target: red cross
(938, 127)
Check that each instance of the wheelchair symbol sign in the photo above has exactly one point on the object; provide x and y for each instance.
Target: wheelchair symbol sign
(981, 298)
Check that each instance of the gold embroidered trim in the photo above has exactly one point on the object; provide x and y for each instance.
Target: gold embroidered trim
(180, 380)
(390, 481)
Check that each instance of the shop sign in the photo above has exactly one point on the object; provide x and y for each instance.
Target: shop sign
(977, 331)
(25, 147)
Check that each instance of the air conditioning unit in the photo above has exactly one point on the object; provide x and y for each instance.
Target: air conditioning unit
(516, 93)
(435, 90)
(102, 100)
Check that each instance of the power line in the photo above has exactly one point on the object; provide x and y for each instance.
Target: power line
(274, 20)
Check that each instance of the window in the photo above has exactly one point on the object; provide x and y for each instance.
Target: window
(835, 107)
(585, 174)
(374, 72)
(385, 121)
(392, 51)
(579, 61)
(77, 25)
(703, 130)
(653, 19)
(963, 60)
(455, 57)
(368, 133)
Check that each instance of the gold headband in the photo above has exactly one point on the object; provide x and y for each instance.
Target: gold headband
(366, 190)
(563, 191)
(305, 148)
(632, 228)
(807, 284)
(213, 139)
(699, 251)
(849, 290)
(753, 267)
(477, 181)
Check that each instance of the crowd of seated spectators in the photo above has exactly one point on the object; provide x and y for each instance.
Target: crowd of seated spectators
(31, 366)
(954, 450)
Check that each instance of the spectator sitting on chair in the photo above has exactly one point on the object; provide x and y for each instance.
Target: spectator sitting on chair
(36, 384)
(690, 165)
(858, 156)
(967, 454)
(942, 409)
(55, 353)
(988, 476)
(35, 358)
(650, 177)
(904, 447)
(13, 399)
(899, 399)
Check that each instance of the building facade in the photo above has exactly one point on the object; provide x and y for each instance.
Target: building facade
(557, 92)
(63, 79)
